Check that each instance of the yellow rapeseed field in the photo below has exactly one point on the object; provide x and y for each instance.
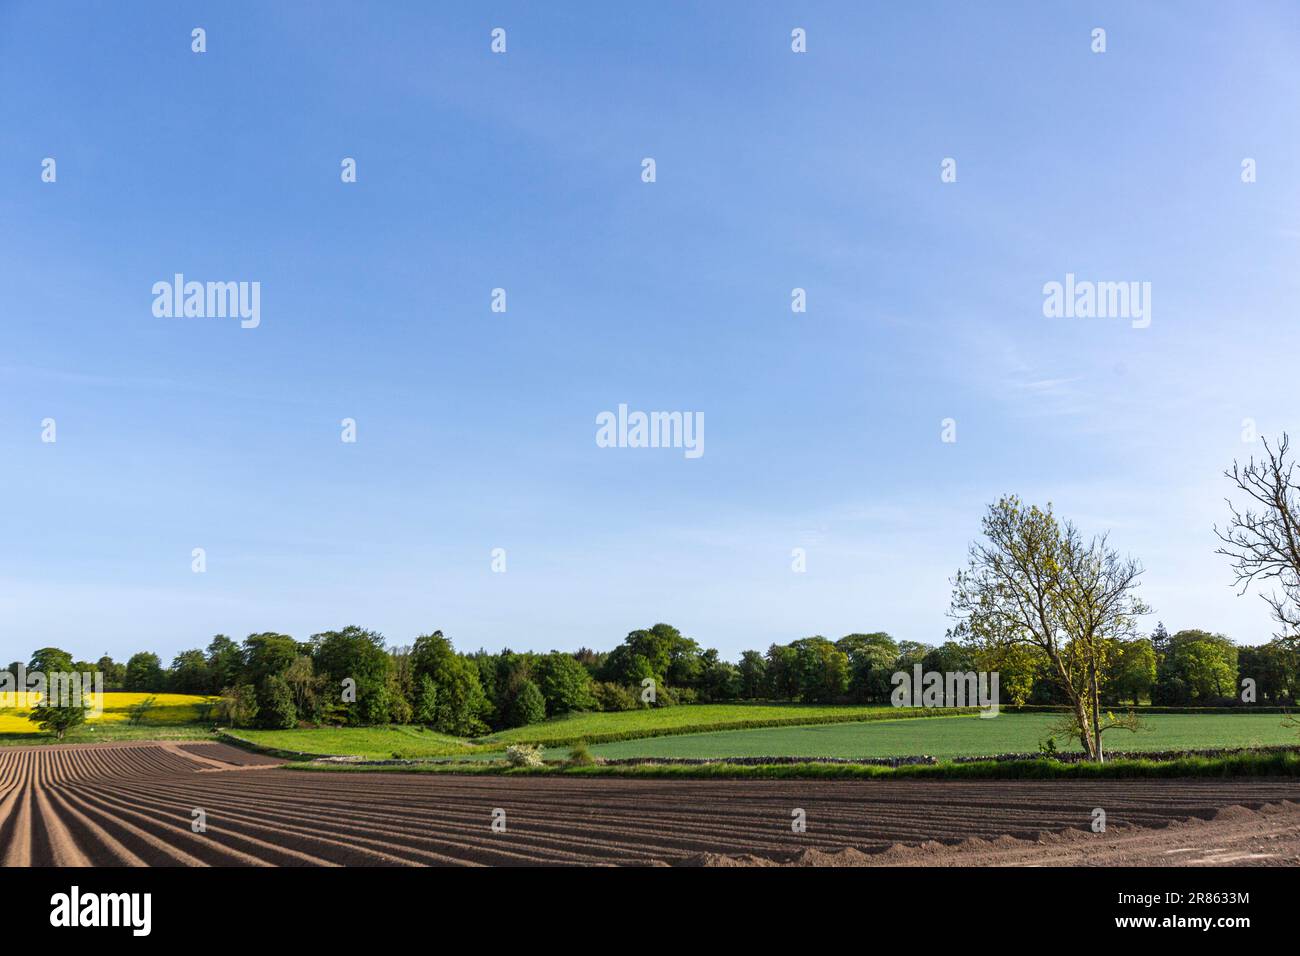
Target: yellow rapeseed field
(168, 710)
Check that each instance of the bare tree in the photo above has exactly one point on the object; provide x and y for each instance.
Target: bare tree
(1031, 582)
(1263, 540)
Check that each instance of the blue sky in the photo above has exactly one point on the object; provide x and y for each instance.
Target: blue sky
(476, 430)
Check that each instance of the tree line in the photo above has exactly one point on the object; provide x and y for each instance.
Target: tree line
(351, 676)
(1053, 612)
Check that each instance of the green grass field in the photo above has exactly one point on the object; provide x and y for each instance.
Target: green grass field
(941, 737)
(375, 743)
(958, 736)
(656, 721)
(416, 742)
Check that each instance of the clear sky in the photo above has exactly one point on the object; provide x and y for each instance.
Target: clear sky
(476, 430)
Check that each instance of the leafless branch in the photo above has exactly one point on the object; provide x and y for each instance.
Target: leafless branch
(1263, 538)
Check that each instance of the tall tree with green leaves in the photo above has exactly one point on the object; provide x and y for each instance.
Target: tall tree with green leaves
(753, 675)
(189, 673)
(144, 672)
(238, 705)
(1160, 640)
(1034, 582)
(460, 702)
(114, 673)
(1199, 668)
(527, 706)
(823, 669)
(306, 686)
(1132, 672)
(563, 682)
(225, 662)
(51, 660)
(872, 660)
(359, 655)
(268, 653)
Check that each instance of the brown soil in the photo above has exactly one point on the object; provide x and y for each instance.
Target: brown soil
(132, 803)
(1233, 836)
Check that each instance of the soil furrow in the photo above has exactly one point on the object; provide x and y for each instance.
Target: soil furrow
(132, 804)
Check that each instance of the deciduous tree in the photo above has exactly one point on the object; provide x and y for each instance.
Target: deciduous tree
(1036, 583)
(1263, 534)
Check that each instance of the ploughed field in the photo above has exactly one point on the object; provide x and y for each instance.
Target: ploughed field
(134, 803)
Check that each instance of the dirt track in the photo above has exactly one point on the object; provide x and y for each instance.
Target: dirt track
(116, 804)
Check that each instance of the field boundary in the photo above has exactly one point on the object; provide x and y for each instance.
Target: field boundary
(1271, 762)
(907, 760)
(1157, 756)
(1149, 709)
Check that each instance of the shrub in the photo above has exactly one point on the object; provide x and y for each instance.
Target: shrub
(137, 712)
(580, 756)
(613, 697)
(665, 696)
(524, 755)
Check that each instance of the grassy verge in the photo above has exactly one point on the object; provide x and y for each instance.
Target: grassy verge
(108, 733)
(373, 743)
(1244, 764)
(1141, 709)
